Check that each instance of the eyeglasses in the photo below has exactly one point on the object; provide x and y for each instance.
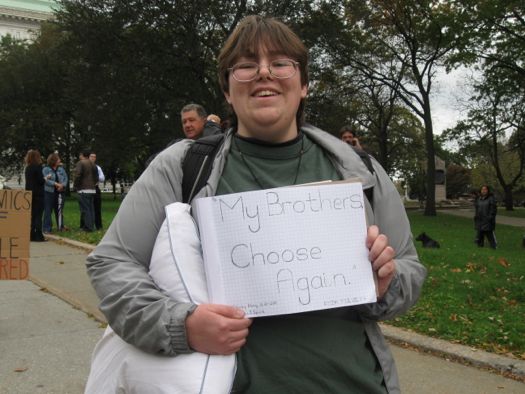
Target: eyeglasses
(248, 71)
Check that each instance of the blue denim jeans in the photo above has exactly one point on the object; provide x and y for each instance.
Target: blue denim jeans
(87, 210)
(49, 206)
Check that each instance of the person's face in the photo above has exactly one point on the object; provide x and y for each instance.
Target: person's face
(484, 191)
(348, 137)
(93, 157)
(266, 107)
(192, 124)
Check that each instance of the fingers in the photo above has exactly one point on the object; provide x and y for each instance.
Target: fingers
(373, 232)
(226, 311)
(217, 329)
(381, 255)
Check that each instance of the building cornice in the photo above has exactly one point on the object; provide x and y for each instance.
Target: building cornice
(28, 15)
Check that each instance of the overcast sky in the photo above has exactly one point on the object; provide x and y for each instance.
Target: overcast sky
(448, 92)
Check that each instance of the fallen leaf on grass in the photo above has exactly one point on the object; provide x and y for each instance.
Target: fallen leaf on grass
(21, 369)
(455, 270)
(503, 262)
(453, 317)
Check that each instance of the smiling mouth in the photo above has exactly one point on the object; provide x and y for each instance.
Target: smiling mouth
(265, 93)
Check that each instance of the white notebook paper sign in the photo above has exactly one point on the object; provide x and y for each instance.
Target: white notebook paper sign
(287, 250)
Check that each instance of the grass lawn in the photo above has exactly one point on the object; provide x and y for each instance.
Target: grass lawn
(72, 218)
(474, 296)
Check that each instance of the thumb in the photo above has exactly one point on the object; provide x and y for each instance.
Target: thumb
(226, 311)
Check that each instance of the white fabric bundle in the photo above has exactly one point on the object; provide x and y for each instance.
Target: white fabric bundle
(177, 268)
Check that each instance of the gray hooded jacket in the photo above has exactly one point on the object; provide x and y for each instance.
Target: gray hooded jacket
(145, 317)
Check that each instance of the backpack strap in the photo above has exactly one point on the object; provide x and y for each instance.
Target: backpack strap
(365, 158)
(197, 164)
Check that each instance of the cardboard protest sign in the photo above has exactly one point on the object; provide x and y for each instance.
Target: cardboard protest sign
(15, 225)
(287, 250)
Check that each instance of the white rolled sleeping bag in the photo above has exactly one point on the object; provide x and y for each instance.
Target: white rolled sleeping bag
(177, 268)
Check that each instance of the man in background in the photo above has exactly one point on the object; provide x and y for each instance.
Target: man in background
(85, 179)
(97, 200)
(196, 123)
(349, 135)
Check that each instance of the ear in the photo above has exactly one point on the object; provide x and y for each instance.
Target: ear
(304, 91)
(227, 97)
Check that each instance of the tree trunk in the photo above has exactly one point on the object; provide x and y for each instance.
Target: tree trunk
(509, 203)
(430, 205)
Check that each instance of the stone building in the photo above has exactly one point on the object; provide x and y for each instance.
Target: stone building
(21, 18)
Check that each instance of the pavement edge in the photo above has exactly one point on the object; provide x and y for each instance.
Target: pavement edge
(509, 367)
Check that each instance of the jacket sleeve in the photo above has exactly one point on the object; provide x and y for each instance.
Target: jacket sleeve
(135, 307)
(390, 216)
(77, 174)
(493, 208)
(49, 182)
(62, 176)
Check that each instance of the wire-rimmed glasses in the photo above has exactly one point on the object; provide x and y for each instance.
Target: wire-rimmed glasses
(248, 71)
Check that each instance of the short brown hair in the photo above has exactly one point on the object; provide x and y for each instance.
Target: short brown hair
(254, 32)
(347, 128)
(52, 159)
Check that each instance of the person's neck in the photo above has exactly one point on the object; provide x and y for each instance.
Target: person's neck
(269, 136)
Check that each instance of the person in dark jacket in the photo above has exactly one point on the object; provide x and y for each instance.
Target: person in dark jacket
(485, 217)
(85, 179)
(35, 183)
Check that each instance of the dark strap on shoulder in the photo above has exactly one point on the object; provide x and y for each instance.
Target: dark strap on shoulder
(365, 158)
(197, 164)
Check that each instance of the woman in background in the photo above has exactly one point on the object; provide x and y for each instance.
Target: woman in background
(55, 183)
(35, 183)
(485, 217)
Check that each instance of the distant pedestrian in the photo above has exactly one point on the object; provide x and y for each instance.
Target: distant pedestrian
(485, 217)
(97, 200)
(85, 179)
(348, 134)
(35, 183)
(61, 196)
(54, 187)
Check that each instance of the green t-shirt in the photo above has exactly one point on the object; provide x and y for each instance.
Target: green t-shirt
(315, 352)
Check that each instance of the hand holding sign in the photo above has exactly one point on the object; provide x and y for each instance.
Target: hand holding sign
(217, 329)
(381, 255)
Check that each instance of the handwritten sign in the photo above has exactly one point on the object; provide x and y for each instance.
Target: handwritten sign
(287, 250)
(15, 224)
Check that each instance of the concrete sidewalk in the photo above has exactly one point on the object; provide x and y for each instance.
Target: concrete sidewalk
(46, 344)
(500, 219)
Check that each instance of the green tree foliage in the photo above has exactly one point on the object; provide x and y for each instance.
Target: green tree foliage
(33, 98)
(484, 136)
(415, 37)
(113, 74)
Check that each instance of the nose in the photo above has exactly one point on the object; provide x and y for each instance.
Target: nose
(264, 71)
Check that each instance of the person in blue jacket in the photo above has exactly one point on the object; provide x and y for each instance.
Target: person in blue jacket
(54, 188)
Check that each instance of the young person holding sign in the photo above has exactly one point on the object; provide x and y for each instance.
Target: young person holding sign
(263, 74)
